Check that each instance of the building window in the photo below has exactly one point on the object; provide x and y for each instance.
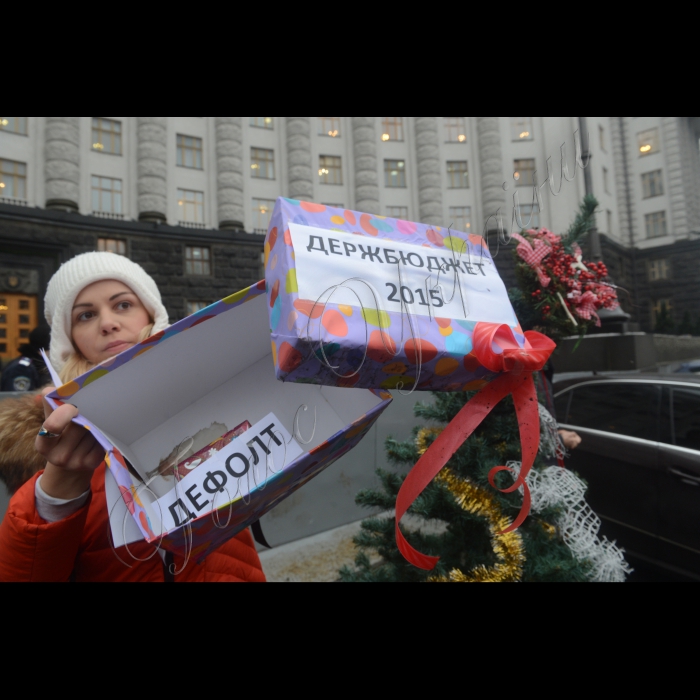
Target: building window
(649, 142)
(659, 269)
(392, 129)
(107, 136)
(456, 129)
(263, 122)
(16, 125)
(659, 308)
(262, 213)
(106, 195)
(530, 215)
(329, 126)
(461, 219)
(524, 172)
(192, 307)
(197, 261)
(189, 152)
(653, 184)
(521, 129)
(656, 224)
(191, 206)
(606, 180)
(458, 174)
(262, 163)
(111, 245)
(609, 215)
(603, 143)
(397, 213)
(13, 180)
(395, 173)
(330, 170)
(18, 316)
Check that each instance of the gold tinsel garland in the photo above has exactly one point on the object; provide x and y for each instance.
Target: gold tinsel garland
(508, 548)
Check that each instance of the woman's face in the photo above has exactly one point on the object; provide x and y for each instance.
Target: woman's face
(107, 319)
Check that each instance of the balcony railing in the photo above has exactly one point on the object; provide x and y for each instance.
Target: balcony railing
(108, 215)
(189, 224)
(14, 202)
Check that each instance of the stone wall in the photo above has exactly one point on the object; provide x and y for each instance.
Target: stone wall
(673, 348)
(38, 241)
(682, 288)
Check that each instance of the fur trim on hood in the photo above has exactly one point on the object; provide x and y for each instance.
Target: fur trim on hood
(20, 421)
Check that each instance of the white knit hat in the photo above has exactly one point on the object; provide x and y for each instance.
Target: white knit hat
(82, 271)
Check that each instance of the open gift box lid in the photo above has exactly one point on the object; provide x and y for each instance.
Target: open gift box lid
(357, 300)
(195, 382)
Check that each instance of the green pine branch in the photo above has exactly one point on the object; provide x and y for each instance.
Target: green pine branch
(583, 223)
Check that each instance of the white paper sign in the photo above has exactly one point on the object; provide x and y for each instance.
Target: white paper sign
(237, 470)
(468, 287)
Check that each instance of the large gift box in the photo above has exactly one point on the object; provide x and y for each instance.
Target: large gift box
(357, 300)
(202, 440)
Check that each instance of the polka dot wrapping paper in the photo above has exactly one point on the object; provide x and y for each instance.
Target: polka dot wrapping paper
(143, 409)
(364, 301)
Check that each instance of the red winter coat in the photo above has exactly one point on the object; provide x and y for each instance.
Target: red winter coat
(78, 549)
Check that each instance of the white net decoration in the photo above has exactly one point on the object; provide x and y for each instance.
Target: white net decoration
(578, 525)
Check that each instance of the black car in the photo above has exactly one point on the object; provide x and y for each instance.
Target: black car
(641, 458)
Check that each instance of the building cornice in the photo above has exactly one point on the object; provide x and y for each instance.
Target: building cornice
(99, 225)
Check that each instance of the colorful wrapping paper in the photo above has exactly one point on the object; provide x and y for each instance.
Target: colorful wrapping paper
(202, 536)
(405, 317)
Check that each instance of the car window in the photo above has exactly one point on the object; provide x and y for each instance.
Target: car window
(561, 406)
(686, 418)
(622, 409)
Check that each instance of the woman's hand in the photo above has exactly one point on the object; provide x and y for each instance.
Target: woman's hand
(71, 457)
(570, 439)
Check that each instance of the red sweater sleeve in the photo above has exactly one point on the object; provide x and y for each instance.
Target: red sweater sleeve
(32, 550)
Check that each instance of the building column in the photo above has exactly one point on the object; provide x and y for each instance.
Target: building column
(62, 169)
(153, 169)
(625, 199)
(429, 171)
(693, 182)
(229, 161)
(300, 167)
(493, 197)
(674, 147)
(366, 174)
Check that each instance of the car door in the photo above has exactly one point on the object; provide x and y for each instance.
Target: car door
(618, 457)
(679, 498)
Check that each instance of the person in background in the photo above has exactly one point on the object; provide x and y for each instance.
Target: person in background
(545, 390)
(28, 372)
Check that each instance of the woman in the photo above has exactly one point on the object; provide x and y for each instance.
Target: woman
(57, 527)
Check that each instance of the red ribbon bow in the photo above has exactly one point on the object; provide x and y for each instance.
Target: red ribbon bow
(533, 255)
(497, 349)
(586, 306)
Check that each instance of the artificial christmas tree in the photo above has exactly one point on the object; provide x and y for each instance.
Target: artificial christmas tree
(464, 516)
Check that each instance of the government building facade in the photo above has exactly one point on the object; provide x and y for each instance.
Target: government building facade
(189, 198)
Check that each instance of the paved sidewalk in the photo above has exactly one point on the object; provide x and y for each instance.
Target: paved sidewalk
(316, 559)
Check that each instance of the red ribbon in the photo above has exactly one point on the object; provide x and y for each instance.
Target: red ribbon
(586, 305)
(497, 349)
(533, 255)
